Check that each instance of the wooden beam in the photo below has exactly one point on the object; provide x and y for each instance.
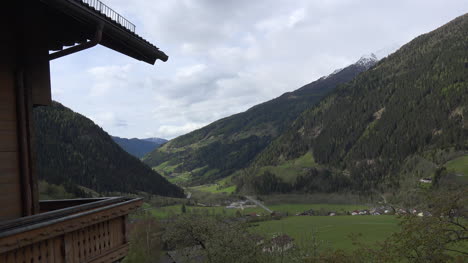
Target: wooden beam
(23, 142)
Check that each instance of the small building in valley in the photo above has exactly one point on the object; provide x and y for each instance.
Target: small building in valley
(279, 243)
(309, 212)
(425, 180)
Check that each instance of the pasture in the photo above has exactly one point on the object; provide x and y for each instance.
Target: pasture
(214, 188)
(459, 168)
(458, 165)
(286, 209)
(334, 231)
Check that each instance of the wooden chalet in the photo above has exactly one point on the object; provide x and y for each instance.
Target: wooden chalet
(33, 32)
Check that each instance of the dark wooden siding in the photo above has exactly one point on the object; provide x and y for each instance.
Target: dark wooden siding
(10, 190)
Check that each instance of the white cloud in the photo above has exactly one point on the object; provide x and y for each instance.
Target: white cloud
(190, 71)
(226, 56)
(296, 17)
(57, 92)
(107, 78)
(103, 118)
(169, 131)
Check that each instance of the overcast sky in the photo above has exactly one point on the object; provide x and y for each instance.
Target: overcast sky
(226, 56)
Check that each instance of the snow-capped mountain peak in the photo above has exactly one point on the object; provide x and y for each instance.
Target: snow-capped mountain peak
(367, 60)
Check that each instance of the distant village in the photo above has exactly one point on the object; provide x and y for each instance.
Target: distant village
(376, 211)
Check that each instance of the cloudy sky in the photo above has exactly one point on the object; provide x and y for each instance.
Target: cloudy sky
(228, 55)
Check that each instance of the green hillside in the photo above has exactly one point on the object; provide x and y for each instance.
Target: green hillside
(230, 144)
(408, 112)
(74, 152)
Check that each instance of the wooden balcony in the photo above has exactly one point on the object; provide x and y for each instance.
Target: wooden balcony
(71, 231)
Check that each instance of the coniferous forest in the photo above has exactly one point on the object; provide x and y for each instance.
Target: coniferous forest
(232, 143)
(73, 151)
(412, 103)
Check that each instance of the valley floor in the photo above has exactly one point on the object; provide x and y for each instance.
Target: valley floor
(333, 232)
(288, 209)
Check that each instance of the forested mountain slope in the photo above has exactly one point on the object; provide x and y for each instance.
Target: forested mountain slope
(73, 151)
(413, 105)
(229, 144)
(138, 147)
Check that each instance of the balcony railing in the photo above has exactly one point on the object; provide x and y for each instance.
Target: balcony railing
(110, 13)
(71, 231)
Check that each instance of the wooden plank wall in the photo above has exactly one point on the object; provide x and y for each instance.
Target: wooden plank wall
(103, 242)
(24, 81)
(10, 190)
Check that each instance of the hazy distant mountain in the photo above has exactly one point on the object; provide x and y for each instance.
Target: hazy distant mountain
(139, 147)
(156, 140)
(72, 150)
(230, 144)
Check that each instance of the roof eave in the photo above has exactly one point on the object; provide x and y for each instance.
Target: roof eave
(115, 36)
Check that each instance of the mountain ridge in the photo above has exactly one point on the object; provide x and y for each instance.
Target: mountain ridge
(155, 140)
(412, 105)
(231, 143)
(73, 151)
(138, 147)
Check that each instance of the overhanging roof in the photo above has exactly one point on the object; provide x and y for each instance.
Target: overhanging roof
(73, 22)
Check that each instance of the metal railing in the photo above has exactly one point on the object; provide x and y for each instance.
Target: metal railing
(110, 13)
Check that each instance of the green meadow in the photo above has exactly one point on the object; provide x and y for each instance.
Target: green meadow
(286, 209)
(215, 188)
(293, 209)
(459, 167)
(290, 170)
(168, 211)
(334, 231)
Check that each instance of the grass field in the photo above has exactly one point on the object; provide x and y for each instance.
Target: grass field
(221, 186)
(167, 171)
(459, 169)
(458, 165)
(167, 211)
(165, 167)
(291, 209)
(178, 178)
(215, 188)
(291, 169)
(333, 230)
